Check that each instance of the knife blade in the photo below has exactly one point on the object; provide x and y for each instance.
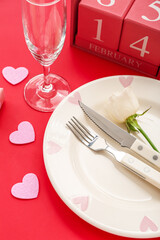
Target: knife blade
(122, 137)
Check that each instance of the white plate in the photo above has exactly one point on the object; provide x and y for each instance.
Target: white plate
(95, 186)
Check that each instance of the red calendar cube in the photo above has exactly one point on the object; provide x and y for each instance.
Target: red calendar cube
(100, 21)
(141, 31)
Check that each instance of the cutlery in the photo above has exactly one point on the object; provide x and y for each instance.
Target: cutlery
(122, 137)
(96, 143)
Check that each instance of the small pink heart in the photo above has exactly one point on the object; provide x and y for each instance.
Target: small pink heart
(75, 98)
(53, 147)
(82, 201)
(28, 188)
(25, 134)
(126, 81)
(13, 75)
(148, 224)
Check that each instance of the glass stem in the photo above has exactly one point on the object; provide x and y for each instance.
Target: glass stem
(47, 86)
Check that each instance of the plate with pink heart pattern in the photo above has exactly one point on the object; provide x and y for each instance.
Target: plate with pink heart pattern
(94, 185)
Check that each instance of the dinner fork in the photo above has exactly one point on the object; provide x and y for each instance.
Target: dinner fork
(90, 139)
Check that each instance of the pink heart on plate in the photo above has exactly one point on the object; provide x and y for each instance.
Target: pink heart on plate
(13, 75)
(24, 134)
(126, 81)
(75, 98)
(28, 188)
(148, 224)
(53, 147)
(82, 201)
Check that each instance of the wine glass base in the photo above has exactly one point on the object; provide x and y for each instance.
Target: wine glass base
(46, 99)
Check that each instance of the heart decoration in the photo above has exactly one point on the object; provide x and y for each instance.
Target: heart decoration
(28, 188)
(75, 98)
(15, 76)
(126, 81)
(82, 201)
(148, 224)
(24, 134)
(53, 147)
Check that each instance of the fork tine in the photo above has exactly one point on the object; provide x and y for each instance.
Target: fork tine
(76, 132)
(83, 128)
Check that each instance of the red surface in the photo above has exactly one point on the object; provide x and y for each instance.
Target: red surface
(45, 217)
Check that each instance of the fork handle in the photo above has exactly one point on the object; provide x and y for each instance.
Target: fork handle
(141, 169)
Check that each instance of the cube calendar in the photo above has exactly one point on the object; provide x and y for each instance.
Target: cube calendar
(126, 32)
(141, 31)
(101, 21)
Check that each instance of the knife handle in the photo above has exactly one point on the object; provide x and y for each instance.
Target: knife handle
(146, 152)
(141, 169)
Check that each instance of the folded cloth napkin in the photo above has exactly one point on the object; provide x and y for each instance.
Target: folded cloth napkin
(1, 97)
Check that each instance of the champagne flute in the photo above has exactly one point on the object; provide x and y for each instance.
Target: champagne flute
(44, 24)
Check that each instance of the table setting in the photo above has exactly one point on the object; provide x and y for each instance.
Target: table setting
(69, 170)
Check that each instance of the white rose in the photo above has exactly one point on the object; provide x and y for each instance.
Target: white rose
(121, 105)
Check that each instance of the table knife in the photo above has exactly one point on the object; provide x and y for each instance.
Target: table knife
(122, 137)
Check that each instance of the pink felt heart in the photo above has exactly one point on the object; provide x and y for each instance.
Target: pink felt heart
(53, 147)
(126, 81)
(148, 224)
(28, 188)
(13, 75)
(75, 98)
(82, 201)
(24, 134)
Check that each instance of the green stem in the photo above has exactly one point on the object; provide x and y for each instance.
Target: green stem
(147, 138)
(132, 125)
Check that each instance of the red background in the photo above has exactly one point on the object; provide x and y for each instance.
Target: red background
(45, 217)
